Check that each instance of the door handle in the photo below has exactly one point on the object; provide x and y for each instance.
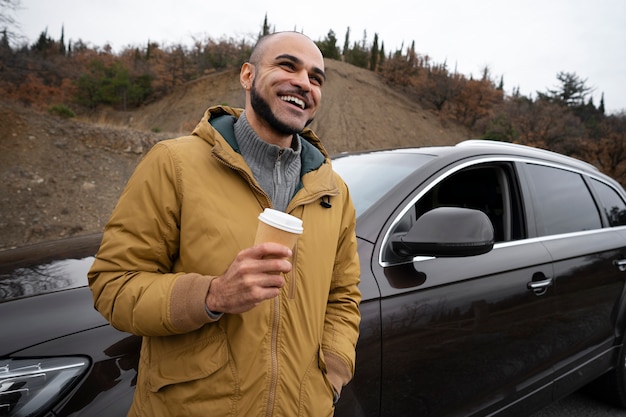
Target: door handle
(539, 286)
(620, 264)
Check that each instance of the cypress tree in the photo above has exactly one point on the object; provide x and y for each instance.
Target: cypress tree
(374, 54)
(265, 30)
(62, 41)
(346, 43)
(601, 106)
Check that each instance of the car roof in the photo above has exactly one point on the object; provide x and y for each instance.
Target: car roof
(474, 147)
(493, 146)
(446, 156)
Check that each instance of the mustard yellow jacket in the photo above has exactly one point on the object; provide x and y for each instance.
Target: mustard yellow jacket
(188, 208)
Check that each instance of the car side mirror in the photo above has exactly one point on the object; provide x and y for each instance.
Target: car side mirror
(446, 232)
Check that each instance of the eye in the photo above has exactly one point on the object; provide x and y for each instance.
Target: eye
(287, 65)
(317, 80)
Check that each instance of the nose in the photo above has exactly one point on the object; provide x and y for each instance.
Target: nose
(302, 80)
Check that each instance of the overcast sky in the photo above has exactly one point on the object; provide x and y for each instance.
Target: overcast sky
(526, 41)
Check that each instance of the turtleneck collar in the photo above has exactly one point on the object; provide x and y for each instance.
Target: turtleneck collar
(276, 169)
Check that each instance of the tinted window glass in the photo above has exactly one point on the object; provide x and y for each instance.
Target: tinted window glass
(487, 188)
(562, 201)
(612, 203)
(370, 176)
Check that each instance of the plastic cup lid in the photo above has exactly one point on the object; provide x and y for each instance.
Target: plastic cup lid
(281, 220)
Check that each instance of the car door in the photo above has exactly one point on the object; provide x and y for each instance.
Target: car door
(361, 397)
(588, 280)
(611, 199)
(464, 335)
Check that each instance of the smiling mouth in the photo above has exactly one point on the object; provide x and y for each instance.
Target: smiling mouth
(294, 100)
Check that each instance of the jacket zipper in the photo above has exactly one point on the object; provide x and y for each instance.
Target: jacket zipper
(273, 358)
(292, 274)
(275, 322)
(277, 177)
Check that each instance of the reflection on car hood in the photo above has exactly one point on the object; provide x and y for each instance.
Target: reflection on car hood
(46, 267)
(44, 278)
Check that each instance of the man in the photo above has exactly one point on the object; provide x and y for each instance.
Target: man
(231, 328)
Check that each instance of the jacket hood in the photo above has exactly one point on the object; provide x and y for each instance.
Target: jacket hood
(213, 125)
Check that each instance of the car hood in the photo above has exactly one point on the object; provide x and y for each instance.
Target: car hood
(29, 321)
(44, 293)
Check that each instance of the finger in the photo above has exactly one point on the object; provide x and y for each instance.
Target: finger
(273, 250)
(274, 266)
(267, 293)
(272, 281)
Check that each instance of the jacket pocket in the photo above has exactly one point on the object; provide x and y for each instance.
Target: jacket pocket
(316, 396)
(185, 358)
(324, 369)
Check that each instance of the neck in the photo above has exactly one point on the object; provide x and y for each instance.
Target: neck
(267, 133)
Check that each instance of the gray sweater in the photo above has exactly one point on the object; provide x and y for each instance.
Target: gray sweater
(276, 169)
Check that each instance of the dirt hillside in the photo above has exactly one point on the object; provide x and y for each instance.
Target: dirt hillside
(61, 177)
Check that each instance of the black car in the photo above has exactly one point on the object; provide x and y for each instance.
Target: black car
(492, 280)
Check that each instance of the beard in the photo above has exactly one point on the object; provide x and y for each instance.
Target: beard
(264, 111)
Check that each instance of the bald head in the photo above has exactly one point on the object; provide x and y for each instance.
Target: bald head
(261, 47)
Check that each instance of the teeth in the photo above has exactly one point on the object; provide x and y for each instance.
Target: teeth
(294, 100)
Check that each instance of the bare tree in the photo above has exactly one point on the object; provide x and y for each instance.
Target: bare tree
(8, 24)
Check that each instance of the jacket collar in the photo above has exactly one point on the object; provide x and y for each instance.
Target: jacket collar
(222, 118)
(216, 128)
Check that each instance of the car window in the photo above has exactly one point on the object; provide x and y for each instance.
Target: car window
(486, 187)
(612, 203)
(561, 200)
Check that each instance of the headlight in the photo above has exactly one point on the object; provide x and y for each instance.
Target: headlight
(30, 386)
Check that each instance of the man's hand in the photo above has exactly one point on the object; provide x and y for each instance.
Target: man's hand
(253, 276)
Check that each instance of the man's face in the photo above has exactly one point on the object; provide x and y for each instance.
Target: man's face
(264, 111)
(287, 83)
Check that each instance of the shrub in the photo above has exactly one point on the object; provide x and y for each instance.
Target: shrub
(61, 110)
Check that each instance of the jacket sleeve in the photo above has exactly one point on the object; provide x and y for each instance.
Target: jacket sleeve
(131, 278)
(342, 312)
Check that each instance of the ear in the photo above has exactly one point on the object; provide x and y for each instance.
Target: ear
(246, 75)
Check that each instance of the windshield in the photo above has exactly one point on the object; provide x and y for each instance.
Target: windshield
(371, 175)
